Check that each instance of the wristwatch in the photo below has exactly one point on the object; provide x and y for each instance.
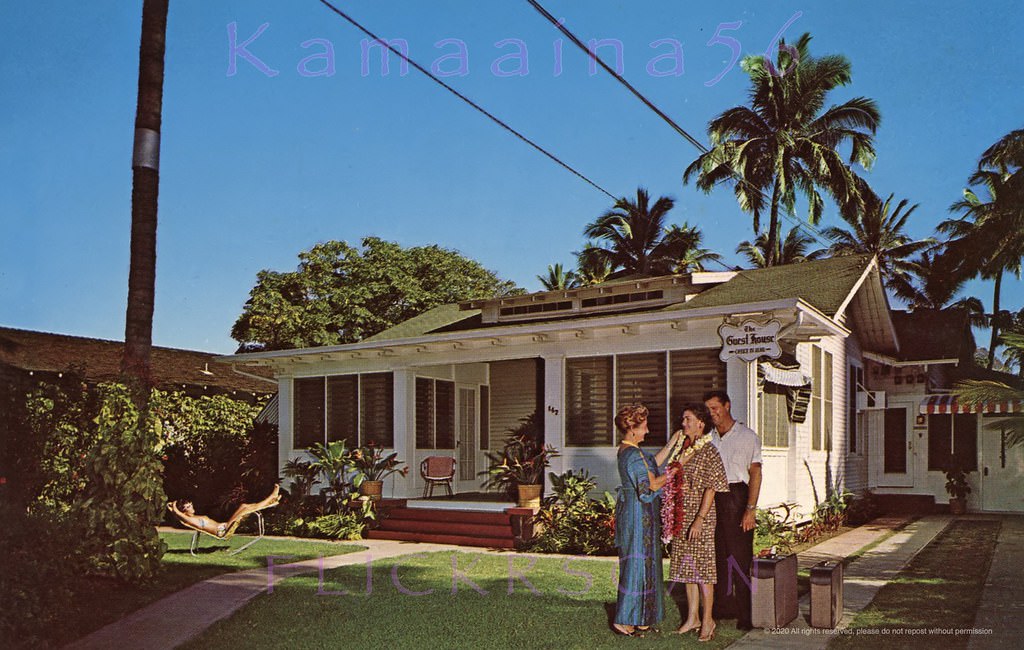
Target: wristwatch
(749, 507)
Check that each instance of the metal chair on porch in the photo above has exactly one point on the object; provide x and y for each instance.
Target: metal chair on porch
(437, 470)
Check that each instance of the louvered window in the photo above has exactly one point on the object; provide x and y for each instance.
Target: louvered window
(435, 414)
(343, 409)
(692, 373)
(376, 409)
(358, 409)
(588, 400)
(308, 411)
(640, 379)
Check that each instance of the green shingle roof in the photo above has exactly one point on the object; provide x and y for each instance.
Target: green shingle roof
(825, 284)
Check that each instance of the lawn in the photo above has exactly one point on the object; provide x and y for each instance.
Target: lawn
(104, 601)
(933, 596)
(448, 600)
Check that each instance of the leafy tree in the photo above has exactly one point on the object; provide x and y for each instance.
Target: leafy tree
(558, 278)
(342, 294)
(784, 142)
(633, 238)
(793, 251)
(878, 230)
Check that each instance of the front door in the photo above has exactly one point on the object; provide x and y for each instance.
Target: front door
(896, 455)
(1002, 468)
(467, 480)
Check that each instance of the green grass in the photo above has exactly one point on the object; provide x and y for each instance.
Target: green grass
(937, 592)
(103, 601)
(342, 612)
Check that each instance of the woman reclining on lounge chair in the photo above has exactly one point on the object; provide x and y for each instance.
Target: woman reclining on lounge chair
(186, 512)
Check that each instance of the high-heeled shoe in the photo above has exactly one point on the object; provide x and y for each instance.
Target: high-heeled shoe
(621, 629)
(710, 637)
(683, 629)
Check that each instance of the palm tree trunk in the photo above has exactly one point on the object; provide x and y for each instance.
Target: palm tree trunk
(138, 333)
(771, 252)
(995, 319)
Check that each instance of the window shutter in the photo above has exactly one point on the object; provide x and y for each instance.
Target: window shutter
(424, 413)
(445, 418)
(343, 409)
(376, 409)
(308, 412)
(640, 379)
(588, 400)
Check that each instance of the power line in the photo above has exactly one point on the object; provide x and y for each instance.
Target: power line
(815, 233)
(479, 108)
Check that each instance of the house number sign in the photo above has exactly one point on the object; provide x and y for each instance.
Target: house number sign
(750, 340)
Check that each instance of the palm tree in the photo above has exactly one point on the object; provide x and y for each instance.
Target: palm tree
(692, 256)
(989, 236)
(138, 331)
(793, 251)
(589, 269)
(933, 281)
(978, 391)
(785, 143)
(557, 278)
(878, 231)
(636, 240)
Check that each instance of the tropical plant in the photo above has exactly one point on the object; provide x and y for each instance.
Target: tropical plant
(988, 236)
(372, 464)
(933, 281)
(522, 460)
(784, 143)
(979, 391)
(558, 278)
(591, 270)
(633, 238)
(956, 482)
(793, 251)
(572, 522)
(878, 230)
(303, 474)
(332, 462)
(775, 527)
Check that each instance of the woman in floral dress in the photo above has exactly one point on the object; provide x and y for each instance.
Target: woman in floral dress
(693, 549)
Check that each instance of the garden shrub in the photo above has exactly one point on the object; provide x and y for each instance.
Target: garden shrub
(40, 564)
(573, 523)
(776, 527)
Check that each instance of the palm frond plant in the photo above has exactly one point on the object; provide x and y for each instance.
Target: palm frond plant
(523, 459)
(332, 462)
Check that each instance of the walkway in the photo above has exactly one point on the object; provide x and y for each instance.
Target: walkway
(1001, 610)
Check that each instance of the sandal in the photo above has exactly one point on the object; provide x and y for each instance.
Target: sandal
(710, 637)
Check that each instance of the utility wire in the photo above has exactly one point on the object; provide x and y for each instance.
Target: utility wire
(479, 108)
(815, 233)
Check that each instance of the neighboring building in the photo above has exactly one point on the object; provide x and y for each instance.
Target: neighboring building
(453, 380)
(27, 355)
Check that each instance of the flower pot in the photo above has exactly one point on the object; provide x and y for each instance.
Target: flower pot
(957, 505)
(372, 489)
(529, 495)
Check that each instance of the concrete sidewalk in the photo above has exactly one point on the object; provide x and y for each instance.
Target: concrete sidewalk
(173, 620)
(862, 580)
(1000, 618)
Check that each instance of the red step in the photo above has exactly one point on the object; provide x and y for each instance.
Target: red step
(450, 516)
(461, 540)
(444, 527)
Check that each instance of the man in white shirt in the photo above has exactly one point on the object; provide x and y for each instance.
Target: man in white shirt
(740, 449)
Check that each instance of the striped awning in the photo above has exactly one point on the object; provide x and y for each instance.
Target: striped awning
(939, 404)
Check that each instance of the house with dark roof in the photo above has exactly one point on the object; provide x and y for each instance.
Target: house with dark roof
(810, 354)
(30, 355)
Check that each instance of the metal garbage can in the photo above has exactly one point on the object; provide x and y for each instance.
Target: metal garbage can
(826, 593)
(773, 587)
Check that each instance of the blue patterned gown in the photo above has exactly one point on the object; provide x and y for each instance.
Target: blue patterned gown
(638, 536)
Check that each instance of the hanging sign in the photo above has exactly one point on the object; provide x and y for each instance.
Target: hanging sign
(750, 340)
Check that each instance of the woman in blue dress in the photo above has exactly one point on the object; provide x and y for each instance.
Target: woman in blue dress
(638, 523)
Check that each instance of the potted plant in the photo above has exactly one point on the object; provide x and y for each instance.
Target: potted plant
(372, 466)
(958, 489)
(520, 466)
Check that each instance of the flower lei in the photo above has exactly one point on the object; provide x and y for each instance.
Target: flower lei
(672, 497)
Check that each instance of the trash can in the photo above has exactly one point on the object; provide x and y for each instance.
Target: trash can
(826, 593)
(773, 587)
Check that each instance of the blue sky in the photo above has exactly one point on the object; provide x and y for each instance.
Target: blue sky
(256, 168)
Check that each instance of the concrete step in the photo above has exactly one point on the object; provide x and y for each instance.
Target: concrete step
(434, 538)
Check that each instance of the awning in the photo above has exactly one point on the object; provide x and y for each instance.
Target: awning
(784, 376)
(939, 404)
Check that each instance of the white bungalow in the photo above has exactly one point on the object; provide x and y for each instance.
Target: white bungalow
(850, 409)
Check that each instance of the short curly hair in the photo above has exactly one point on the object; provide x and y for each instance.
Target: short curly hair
(629, 416)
